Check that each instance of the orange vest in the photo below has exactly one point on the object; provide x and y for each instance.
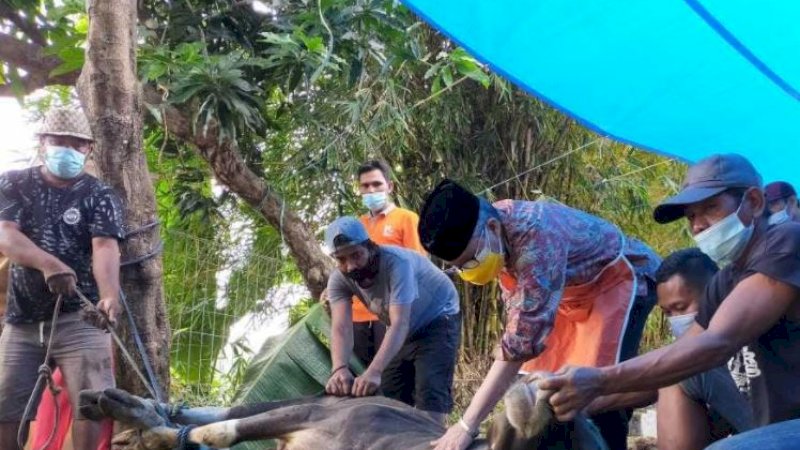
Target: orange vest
(398, 227)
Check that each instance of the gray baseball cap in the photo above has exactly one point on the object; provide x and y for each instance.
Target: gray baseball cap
(344, 232)
(707, 178)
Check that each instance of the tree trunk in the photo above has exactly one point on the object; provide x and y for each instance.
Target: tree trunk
(108, 89)
(230, 169)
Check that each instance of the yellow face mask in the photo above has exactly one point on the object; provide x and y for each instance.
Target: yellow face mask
(486, 266)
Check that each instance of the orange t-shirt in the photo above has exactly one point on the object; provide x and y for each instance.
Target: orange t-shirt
(397, 226)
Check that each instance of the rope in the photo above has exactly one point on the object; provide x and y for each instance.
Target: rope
(137, 339)
(105, 324)
(141, 229)
(641, 169)
(45, 376)
(151, 254)
(183, 438)
(546, 163)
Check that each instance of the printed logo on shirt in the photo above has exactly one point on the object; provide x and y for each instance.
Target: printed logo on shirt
(388, 230)
(744, 367)
(72, 216)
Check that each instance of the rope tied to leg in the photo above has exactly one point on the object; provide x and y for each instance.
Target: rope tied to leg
(183, 438)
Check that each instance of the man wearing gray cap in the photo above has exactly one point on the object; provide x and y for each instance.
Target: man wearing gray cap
(782, 205)
(752, 303)
(417, 302)
(60, 228)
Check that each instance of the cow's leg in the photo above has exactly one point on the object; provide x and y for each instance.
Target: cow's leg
(207, 415)
(276, 424)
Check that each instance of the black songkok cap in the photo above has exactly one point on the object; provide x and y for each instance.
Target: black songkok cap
(447, 220)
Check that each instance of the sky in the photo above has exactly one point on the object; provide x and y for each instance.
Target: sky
(17, 142)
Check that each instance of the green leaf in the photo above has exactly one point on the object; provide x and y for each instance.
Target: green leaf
(314, 44)
(436, 86)
(432, 71)
(82, 25)
(447, 76)
(294, 364)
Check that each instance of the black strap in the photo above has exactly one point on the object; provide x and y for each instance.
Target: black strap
(183, 438)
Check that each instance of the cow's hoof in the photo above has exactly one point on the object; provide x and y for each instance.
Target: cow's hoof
(89, 405)
(158, 438)
(121, 406)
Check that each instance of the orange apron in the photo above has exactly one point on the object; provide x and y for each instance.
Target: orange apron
(591, 321)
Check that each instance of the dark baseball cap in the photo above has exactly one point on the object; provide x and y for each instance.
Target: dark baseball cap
(778, 190)
(707, 178)
(343, 233)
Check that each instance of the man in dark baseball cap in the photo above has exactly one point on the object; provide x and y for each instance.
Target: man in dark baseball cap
(752, 304)
(781, 202)
(706, 179)
(418, 303)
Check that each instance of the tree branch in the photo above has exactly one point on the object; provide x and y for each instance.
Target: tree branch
(26, 27)
(25, 55)
(30, 58)
(230, 169)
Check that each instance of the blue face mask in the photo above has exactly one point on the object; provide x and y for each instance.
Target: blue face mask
(724, 241)
(64, 162)
(681, 324)
(375, 201)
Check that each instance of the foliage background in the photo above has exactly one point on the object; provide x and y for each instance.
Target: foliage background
(308, 90)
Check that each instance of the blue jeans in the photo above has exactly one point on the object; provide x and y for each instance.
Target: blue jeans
(717, 389)
(778, 436)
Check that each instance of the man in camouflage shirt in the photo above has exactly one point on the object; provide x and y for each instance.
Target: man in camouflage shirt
(60, 228)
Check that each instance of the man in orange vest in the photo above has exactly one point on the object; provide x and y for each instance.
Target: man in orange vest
(386, 224)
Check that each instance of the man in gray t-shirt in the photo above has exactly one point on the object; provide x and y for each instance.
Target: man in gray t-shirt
(417, 302)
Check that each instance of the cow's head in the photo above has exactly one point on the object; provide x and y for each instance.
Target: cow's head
(528, 421)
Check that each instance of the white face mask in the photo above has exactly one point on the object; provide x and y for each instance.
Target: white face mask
(680, 324)
(779, 217)
(724, 241)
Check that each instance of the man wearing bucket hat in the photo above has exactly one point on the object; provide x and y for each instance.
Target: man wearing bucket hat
(752, 303)
(414, 299)
(576, 289)
(782, 205)
(60, 228)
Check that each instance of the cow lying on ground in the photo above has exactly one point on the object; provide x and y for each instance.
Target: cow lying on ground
(333, 423)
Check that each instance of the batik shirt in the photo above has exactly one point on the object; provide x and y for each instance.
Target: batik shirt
(553, 246)
(62, 222)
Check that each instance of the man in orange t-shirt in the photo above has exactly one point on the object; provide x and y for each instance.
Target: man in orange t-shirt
(386, 224)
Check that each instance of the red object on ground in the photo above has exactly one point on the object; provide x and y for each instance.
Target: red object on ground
(46, 415)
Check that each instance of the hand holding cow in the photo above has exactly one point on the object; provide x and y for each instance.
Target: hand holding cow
(340, 383)
(367, 384)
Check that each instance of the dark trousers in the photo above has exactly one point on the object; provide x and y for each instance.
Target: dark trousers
(367, 339)
(613, 425)
(421, 375)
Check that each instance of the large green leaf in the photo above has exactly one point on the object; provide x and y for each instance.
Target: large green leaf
(295, 364)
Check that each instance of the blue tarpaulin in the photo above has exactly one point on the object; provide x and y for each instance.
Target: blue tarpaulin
(682, 78)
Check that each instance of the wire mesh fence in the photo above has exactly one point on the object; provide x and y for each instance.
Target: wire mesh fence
(224, 299)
